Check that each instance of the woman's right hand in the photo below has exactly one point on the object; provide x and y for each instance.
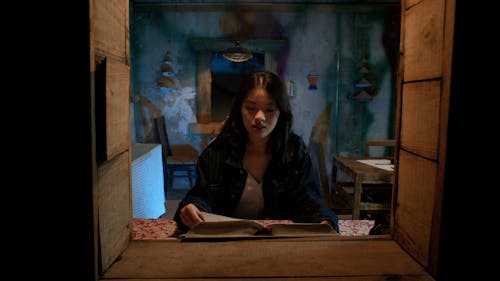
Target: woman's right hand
(191, 215)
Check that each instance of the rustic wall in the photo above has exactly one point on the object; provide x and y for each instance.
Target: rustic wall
(327, 40)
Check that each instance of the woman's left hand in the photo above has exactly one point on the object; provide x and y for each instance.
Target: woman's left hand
(326, 222)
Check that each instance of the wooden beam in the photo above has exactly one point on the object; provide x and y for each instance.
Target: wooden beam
(322, 278)
(212, 128)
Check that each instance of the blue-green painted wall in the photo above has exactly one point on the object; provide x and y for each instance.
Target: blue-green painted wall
(331, 40)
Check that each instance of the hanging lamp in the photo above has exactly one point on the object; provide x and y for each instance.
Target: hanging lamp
(237, 53)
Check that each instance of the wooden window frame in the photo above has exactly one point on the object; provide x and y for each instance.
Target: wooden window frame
(340, 258)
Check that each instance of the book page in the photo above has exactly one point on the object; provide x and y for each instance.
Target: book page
(209, 217)
(224, 229)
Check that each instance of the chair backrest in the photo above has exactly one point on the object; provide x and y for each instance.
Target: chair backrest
(162, 136)
(373, 142)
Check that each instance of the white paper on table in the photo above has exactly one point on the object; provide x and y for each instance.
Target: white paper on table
(384, 164)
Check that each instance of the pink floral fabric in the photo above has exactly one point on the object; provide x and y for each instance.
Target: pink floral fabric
(355, 227)
(163, 229)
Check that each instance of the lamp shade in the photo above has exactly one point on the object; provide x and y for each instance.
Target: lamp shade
(237, 53)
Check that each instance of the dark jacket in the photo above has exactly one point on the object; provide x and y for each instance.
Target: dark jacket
(291, 190)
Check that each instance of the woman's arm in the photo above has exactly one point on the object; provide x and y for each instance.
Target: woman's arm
(196, 200)
(307, 201)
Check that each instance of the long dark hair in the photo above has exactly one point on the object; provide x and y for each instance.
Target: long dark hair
(234, 131)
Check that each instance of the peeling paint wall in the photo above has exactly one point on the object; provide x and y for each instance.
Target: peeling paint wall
(329, 41)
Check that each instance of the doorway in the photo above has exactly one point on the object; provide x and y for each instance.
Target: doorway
(226, 79)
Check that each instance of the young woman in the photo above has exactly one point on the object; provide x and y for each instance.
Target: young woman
(256, 168)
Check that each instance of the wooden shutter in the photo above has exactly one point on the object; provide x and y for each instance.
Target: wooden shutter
(423, 100)
(109, 37)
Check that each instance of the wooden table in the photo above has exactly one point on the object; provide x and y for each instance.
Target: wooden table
(361, 174)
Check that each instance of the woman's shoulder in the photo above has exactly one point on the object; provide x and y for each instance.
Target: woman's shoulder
(296, 142)
(214, 145)
(293, 137)
(296, 148)
(218, 145)
(219, 151)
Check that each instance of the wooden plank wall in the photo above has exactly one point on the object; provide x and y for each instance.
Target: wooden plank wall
(111, 29)
(117, 106)
(426, 36)
(109, 25)
(420, 118)
(424, 24)
(115, 224)
(417, 178)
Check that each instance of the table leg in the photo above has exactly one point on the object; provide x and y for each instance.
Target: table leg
(334, 176)
(357, 198)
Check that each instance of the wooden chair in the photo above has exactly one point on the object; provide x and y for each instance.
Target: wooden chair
(179, 160)
(375, 197)
(374, 143)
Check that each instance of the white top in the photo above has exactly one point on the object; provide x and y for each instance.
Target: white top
(251, 204)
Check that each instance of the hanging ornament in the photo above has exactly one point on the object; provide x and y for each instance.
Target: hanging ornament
(167, 58)
(363, 83)
(165, 81)
(166, 69)
(363, 96)
(312, 78)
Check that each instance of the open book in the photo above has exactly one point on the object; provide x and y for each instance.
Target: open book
(222, 227)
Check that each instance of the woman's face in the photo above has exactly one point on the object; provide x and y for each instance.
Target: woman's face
(260, 114)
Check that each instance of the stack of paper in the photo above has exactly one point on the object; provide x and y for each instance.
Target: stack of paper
(384, 164)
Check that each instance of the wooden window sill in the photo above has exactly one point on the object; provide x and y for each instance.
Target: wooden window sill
(339, 258)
